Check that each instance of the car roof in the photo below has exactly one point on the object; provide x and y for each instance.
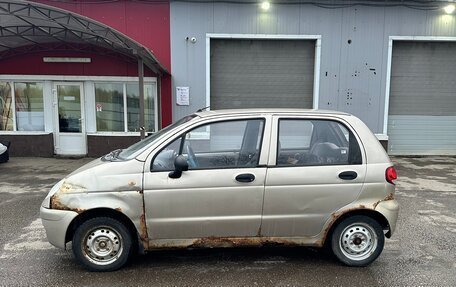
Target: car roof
(211, 113)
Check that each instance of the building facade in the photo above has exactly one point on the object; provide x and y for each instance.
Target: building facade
(70, 70)
(391, 63)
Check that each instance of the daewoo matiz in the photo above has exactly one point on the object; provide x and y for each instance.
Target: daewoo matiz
(231, 178)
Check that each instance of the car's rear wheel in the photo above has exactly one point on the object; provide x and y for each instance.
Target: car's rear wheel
(102, 244)
(357, 240)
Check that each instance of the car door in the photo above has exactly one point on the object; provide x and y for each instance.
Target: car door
(316, 166)
(221, 195)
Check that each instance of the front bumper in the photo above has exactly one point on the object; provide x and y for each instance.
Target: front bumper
(389, 209)
(56, 224)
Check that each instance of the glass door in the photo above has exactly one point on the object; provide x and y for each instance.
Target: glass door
(70, 126)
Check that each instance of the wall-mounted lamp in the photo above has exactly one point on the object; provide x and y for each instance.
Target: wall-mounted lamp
(449, 8)
(265, 5)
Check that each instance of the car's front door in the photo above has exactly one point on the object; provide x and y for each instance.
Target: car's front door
(316, 167)
(221, 195)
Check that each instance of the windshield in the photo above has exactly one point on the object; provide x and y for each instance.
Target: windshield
(131, 151)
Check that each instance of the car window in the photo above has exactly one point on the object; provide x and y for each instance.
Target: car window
(228, 144)
(134, 149)
(316, 142)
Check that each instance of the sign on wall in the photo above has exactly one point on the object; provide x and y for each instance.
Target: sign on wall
(182, 96)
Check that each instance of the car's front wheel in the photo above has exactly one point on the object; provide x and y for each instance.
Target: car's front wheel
(102, 244)
(357, 240)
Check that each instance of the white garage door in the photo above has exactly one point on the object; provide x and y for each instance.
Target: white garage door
(422, 111)
(262, 73)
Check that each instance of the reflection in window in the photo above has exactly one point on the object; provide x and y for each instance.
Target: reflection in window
(230, 144)
(69, 104)
(149, 106)
(164, 160)
(110, 107)
(295, 134)
(316, 142)
(6, 107)
(29, 106)
(133, 107)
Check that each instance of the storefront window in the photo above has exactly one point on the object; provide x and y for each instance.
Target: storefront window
(29, 106)
(6, 107)
(109, 107)
(149, 107)
(133, 107)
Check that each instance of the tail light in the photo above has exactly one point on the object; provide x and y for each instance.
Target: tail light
(391, 174)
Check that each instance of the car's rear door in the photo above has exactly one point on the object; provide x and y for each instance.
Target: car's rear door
(316, 166)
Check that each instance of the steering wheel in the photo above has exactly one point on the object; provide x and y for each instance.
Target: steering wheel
(192, 161)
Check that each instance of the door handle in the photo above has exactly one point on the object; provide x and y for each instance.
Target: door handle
(348, 175)
(245, 177)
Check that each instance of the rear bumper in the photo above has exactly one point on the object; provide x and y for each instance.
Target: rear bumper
(56, 224)
(389, 209)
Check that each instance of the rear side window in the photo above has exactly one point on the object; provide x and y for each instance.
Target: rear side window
(316, 142)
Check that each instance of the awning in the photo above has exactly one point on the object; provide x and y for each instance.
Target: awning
(27, 27)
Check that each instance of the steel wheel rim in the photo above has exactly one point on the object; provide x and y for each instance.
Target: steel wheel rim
(358, 241)
(102, 245)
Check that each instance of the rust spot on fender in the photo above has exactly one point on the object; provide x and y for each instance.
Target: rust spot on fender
(118, 209)
(388, 197)
(56, 204)
(259, 232)
(67, 187)
(224, 242)
(333, 218)
(210, 242)
(143, 231)
(320, 242)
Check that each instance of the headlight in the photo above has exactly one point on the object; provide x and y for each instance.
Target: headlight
(47, 200)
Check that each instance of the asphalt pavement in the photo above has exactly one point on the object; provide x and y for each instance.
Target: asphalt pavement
(422, 252)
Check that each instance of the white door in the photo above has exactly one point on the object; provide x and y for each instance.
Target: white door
(70, 136)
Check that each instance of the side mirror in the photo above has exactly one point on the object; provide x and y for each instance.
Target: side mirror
(180, 165)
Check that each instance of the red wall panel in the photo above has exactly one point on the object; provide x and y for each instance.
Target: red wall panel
(32, 64)
(146, 22)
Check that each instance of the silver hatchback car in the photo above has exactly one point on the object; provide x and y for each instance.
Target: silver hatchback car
(231, 178)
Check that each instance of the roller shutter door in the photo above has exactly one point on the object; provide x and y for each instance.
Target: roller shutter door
(261, 73)
(422, 111)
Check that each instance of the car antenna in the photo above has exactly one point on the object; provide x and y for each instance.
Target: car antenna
(202, 109)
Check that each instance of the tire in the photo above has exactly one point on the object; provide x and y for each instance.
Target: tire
(102, 244)
(357, 241)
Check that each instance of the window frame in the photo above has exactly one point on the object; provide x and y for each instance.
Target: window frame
(346, 125)
(13, 106)
(89, 100)
(182, 135)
